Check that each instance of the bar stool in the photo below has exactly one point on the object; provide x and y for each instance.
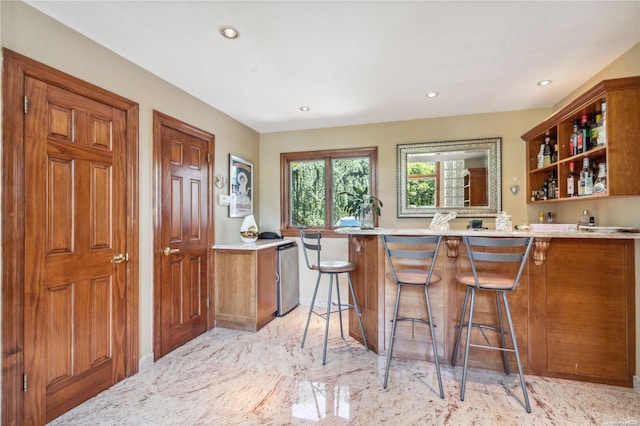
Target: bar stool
(310, 241)
(482, 252)
(411, 263)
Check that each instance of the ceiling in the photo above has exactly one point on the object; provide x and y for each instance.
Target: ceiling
(357, 62)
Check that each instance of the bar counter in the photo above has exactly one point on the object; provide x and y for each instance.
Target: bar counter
(574, 310)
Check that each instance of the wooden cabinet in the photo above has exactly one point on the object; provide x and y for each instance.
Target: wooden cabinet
(621, 152)
(573, 319)
(245, 288)
(582, 311)
(475, 186)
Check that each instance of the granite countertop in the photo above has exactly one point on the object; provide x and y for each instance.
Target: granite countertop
(598, 232)
(258, 245)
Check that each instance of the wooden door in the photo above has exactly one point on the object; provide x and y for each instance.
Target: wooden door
(75, 249)
(184, 232)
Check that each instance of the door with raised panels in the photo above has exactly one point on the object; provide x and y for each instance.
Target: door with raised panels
(184, 232)
(75, 253)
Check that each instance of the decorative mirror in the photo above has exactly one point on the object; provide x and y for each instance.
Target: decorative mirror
(453, 176)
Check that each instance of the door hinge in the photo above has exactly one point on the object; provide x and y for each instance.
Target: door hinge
(24, 383)
(26, 104)
(206, 302)
(208, 157)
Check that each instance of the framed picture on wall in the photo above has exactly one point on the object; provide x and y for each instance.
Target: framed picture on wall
(240, 187)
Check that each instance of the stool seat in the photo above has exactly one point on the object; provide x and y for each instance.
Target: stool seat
(335, 266)
(486, 280)
(413, 276)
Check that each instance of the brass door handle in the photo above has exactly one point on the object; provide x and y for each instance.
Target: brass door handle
(118, 258)
(167, 251)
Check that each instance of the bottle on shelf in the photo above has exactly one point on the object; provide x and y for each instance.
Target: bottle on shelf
(584, 219)
(546, 158)
(571, 180)
(600, 184)
(573, 140)
(585, 184)
(552, 189)
(584, 135)
(545, 189)
(541, 155)
(602, 129)
(594, 131)
(554, 155)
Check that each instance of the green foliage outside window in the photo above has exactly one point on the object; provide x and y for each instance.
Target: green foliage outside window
(308, 189)
(421, 185)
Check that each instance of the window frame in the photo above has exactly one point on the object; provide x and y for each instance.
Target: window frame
(436, 178)
(286, 158)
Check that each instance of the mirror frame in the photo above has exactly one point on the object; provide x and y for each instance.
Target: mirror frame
(493, 146)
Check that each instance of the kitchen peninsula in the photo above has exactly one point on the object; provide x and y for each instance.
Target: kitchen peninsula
(574, 310)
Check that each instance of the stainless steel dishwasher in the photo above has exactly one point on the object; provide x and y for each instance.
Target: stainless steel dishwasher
(288, 290)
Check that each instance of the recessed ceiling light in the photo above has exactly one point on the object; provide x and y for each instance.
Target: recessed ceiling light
(229, 32)
(305, 108)
(544, 82)
(431, 94)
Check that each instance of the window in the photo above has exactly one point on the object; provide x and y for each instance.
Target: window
(313, 185)
(422, 184)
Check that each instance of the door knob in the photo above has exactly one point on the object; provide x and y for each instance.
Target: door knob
(167, 251)
(118, 258)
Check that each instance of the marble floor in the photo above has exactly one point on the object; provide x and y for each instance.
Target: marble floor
(228, 377)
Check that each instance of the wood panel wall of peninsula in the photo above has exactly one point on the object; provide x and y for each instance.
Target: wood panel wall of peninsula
(574, 311)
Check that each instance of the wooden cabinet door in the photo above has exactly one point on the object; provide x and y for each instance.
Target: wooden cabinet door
(267, 302)
(235, 288)
(589, 304)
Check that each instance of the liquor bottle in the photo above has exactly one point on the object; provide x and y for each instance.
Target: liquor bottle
(600, 185)
(584, 219)
(573, 140)
(602, 129)
(571, 180)
(545, 189)
(552, 188)
(594, 131)
(584, 135)
(554, 156)
(541, 155)
(546, 159)
(585, 185)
